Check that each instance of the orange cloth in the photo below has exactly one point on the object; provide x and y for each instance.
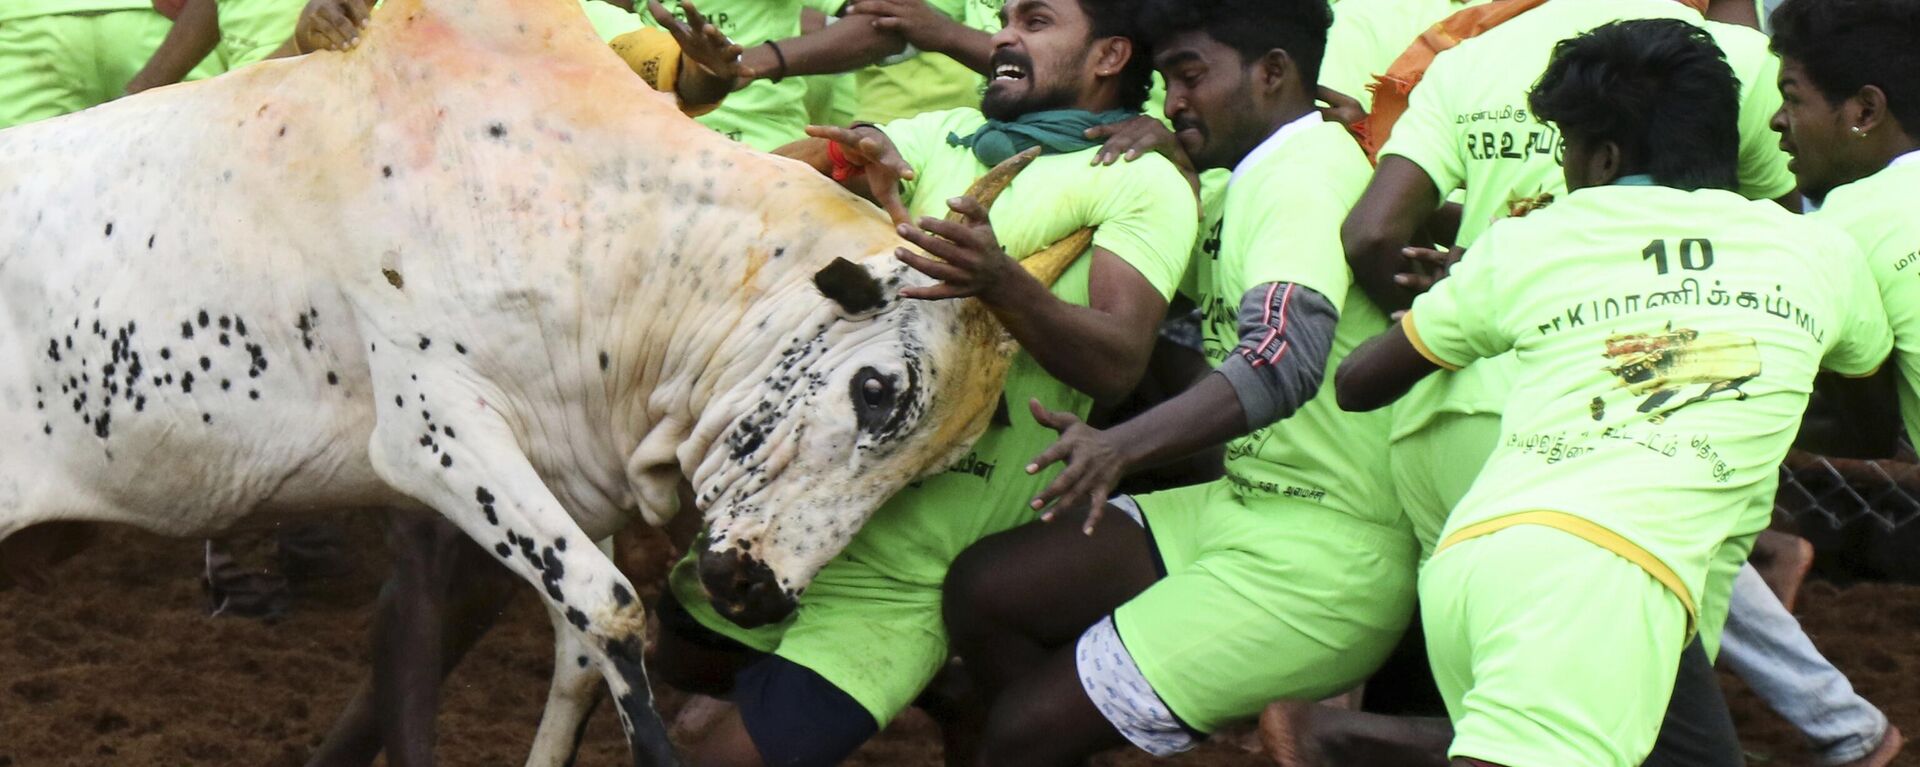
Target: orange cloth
(1390, 91)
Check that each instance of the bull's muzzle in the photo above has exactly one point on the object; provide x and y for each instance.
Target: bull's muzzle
(744, 589)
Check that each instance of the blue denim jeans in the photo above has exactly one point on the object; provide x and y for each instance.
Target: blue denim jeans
(1764, 645)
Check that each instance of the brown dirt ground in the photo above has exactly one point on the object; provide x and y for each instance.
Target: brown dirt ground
(119, 665)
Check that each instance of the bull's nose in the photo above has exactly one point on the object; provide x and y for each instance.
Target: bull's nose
(744, 589)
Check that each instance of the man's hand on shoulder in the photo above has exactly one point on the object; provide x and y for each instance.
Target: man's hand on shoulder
(1133, 139)
(332, 25)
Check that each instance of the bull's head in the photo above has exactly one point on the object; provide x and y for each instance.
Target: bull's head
(874, 392)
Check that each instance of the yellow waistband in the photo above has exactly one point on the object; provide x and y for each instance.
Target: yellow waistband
(1590, 532)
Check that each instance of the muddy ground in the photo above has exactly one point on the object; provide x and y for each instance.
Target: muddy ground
(120, 665)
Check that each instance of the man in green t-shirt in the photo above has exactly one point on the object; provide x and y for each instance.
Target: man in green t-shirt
(1851, 119)
(1850, 87)
(1291, 577)
(1666, 352)
(1368, 35)
(1467, 128)
(867, 635)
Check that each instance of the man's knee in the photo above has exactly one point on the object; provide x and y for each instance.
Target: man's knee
(974, 585)
(798, 718)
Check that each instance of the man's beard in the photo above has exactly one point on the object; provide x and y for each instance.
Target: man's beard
(1007, 107)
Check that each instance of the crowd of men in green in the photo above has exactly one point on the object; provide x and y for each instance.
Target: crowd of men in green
(1519, 362)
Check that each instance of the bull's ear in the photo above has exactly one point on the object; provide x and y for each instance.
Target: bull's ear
(851, 286)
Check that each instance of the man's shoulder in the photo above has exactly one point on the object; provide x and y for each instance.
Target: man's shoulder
(1323, 161)
(956, 120)
(1741, 44)
(1885, 197)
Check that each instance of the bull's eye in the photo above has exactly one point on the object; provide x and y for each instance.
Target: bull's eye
(874, 398)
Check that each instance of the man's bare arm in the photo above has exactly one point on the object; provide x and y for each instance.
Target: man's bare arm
(1397, 201)
(1381, 371)
(194, 34)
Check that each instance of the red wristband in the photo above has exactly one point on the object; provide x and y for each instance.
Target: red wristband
(843, 168)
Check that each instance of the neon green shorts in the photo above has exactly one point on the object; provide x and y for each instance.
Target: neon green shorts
(1550, 651)
(1434, 466)
(59, 63)
(878, 639)
(1265, 598)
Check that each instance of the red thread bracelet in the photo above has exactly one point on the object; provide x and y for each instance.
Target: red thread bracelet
(843, 168)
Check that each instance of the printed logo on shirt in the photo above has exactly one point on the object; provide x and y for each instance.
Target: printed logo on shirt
(1661, 366)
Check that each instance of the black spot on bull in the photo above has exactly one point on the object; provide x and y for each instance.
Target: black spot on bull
(578, 619)
(621, 595)
(551, 574)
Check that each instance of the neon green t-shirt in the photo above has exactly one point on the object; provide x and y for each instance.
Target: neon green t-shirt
(15, 10)
(831, 99)
(765, 115)
(927, 82)
(1277, 226)
(1468, 127)
(250, 30)
(1666, 343)
(610, 21)
(1878, 211)
(1368, 35)
(1144, 213)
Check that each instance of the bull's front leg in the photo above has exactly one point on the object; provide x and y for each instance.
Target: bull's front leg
(481, 481)
(574, 695)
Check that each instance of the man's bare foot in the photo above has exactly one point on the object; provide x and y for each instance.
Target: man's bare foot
(698, 715)
(1783, 561)
(1286, 729)
(1882, 755)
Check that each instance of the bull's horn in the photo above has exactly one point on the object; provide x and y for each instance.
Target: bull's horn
(987, 188)
(1047, 264)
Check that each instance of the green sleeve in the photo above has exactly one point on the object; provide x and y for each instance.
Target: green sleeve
(1294, 236)
(608, 20)
(914, 138)
(983, 15)
(1352, 50)
(1763, 166)
(1453, 324)
(1425, 135)
(1866, 338)
(828, 7)
(1149, 220)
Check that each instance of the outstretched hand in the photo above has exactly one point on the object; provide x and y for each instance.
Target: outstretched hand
(885, 168)
(970, 260)
(1094, 467)
(703, 44)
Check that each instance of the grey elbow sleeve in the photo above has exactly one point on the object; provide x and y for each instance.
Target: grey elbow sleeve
(1286, 335)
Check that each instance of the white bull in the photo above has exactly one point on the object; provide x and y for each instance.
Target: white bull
(473, 265)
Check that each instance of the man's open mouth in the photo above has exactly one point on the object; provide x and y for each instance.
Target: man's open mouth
(1009, 72)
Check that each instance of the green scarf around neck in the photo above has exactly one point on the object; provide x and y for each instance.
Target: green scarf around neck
(1059, 130)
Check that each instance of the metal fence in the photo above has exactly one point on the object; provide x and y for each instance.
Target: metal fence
(1842, 492)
